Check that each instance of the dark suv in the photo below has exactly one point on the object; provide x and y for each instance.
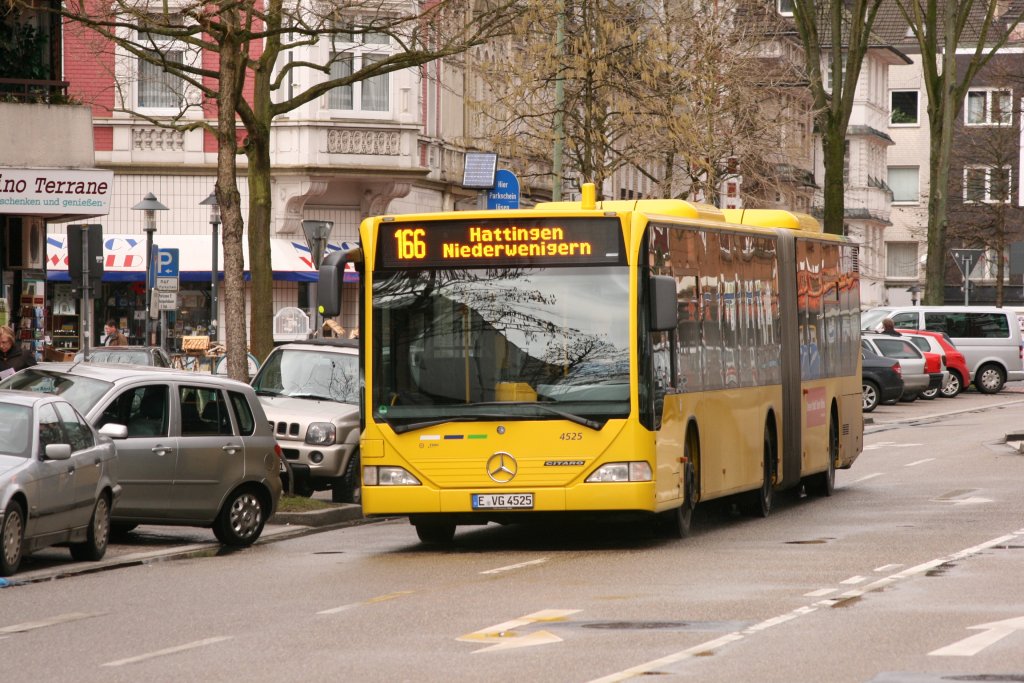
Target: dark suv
(881, 380)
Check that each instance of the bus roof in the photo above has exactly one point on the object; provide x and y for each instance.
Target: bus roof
(773, 218)
(664, 207)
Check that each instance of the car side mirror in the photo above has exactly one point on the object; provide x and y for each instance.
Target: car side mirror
(58, 451)
(114, 430)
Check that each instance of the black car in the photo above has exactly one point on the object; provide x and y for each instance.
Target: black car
(881, 380)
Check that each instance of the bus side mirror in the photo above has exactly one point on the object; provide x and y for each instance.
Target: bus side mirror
(664, 306)
(332, 271)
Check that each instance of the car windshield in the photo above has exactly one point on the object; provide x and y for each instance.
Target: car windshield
(15, 430)
(871, 321)
(310, 373)
(510, 343)
(81, 392)
(116, 356)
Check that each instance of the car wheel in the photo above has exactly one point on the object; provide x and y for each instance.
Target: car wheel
(928, 394)
(12, 536)
(869, 396)
(435, 532)
(346, 488)
(953, 387)
(95, 545)
(241, 520)
(908, 398)
(989, 379)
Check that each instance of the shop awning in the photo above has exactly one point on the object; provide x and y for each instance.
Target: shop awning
(124, 258)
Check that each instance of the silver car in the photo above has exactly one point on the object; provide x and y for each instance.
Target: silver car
(57, 480)
(194, 449)
(915, 379)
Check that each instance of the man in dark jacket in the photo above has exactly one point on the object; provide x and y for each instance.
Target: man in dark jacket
(12, 356)
(889, 328)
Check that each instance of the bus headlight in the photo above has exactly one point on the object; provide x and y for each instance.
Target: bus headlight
(320, 433)
(376, 475)
(621, 471)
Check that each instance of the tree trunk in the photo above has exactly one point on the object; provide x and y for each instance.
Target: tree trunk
(834, 150)
(261, 324)
(940, 150)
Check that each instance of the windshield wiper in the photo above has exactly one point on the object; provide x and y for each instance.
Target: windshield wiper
(412, 426)
(317, 397)
(578, 419)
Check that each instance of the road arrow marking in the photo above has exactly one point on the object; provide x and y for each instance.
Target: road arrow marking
(504, 637)
(992, 633)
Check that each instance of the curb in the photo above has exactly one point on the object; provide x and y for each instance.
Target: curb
(342, 512)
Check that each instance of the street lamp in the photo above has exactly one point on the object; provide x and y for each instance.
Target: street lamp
(317, 233)
(914, 290)
(211, 201)
(150, 205)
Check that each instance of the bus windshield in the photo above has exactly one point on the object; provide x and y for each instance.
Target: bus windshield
(508, 343)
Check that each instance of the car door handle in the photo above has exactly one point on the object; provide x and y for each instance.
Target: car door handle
(231, 447)
(161, 450)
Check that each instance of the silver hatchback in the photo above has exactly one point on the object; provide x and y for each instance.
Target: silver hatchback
(193, 449)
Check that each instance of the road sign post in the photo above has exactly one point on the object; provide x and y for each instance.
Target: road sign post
(966, 260)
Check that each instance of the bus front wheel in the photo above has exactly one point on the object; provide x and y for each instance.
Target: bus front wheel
(436, 533)
(759, 502)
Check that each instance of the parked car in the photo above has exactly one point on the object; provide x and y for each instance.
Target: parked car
(310, 392)
(195, 449)
(57, 479)
(881, 379)
(989, 337)
(938, 342)
(912, 361)
(128, 355)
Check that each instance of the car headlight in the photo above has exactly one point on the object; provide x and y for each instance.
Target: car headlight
(321, 433)
(621, 471)
(377, 475)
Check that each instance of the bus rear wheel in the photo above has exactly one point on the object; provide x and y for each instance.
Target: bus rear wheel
(759, 502)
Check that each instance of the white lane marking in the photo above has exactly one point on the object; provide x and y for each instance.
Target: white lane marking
(993, 632)
(889, 444)
(379, 598)
(503, 634)
(820, 593)
(169, 651)
(887, 567)
(974, 500)
(918, 462)
(870, 476)
(854, 580)
(711, 645)
(52, 621)
(510, 567)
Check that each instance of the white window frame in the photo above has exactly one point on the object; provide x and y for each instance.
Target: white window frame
(785, 7)
(361, 48)
(987, 97)
(826, 71)
(167, 45)
(986, 197)
(917, 106)
(917, 192)
(901, 260)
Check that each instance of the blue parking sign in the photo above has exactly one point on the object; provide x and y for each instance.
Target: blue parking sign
(167, 263)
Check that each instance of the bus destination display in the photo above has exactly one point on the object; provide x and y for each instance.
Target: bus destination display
(500, 242)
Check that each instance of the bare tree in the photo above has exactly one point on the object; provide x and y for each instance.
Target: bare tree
(941, 27)
(248, 41)
(841, 32)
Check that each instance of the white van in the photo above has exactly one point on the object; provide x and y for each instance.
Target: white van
(989, 337)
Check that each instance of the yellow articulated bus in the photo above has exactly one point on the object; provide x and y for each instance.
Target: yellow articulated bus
(620, 358)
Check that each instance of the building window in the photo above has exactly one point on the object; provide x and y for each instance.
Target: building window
(901, 259)
(989, 107)
(987, 184)
(826, 71)
(354, 50)
(903, 181)
(158, 89)
(903, 108)
(785, 7)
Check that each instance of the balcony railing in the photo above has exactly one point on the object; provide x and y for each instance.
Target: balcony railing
(33, 91)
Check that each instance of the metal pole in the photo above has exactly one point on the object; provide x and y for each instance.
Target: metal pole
(84, 328)
(556, 155)
(213, 285)
(967, 281)
(150, 229)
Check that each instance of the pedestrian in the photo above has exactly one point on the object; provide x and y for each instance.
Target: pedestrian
(12, 356)
(113, 335)
(889, 328)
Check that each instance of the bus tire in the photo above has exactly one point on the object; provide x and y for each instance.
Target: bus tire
(759, 502)
(435, 533)
(679, 521)
(824, 483)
